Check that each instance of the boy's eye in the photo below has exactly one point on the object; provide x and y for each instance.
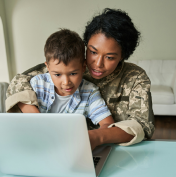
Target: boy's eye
(92, 52)
(72, 74)
(57, 75)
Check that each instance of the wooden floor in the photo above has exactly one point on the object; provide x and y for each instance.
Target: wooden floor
(165, 127)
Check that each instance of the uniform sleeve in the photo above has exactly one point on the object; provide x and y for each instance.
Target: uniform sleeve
(131, 127)
(20, 89)
(97, 109)
(140, 122)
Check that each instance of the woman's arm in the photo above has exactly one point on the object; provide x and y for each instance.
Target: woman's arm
(108, 135)
(20, 89)
(140, 122)
(105, 135)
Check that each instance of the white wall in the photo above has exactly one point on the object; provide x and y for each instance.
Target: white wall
(4, 74)
(30, 22)
(4, 69)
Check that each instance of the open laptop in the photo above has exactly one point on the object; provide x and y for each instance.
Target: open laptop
(48, 145)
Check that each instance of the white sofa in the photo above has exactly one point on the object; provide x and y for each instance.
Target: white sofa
(162, 74)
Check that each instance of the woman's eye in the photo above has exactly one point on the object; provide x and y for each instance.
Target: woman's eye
(57, 75)
(110, 58)
(92, 52)
(73, 74)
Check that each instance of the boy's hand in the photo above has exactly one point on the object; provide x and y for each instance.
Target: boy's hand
(26, 108)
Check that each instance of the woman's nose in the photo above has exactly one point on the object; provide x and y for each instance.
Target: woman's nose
(99, 62)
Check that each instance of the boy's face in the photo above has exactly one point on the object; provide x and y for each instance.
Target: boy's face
(66, 78)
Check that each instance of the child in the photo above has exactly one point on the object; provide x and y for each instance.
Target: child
(63, 90)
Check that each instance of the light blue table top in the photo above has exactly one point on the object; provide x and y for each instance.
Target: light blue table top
(146, 159)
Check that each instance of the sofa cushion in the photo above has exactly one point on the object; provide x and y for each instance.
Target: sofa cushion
(160, 72)
(162, 94)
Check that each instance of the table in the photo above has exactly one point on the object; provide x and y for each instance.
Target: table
(146, 159)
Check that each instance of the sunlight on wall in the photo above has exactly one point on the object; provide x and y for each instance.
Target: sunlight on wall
(4, 75)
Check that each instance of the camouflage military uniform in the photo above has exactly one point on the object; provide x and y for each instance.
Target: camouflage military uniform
(126, 92)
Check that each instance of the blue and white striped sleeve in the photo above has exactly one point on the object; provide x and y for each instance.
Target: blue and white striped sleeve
(97, 109)
(33, 83)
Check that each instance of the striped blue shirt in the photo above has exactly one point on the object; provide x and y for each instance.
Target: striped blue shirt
(86, 100)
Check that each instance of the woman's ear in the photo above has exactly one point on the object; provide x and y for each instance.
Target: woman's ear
(84, 66)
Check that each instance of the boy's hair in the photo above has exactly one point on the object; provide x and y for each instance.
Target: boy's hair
(64, 45)
(117, 24)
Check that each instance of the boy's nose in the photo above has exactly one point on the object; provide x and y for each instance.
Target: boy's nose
(66, 81)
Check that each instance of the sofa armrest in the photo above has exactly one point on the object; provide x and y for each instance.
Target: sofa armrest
(3, 88)
(174, 86)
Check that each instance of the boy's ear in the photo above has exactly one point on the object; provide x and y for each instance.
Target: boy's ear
(47, 65)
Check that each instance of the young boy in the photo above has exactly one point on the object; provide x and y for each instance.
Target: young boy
(63, 90)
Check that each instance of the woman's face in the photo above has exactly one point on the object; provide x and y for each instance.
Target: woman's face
(103, 55)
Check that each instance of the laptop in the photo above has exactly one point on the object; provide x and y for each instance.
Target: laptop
(48, 145)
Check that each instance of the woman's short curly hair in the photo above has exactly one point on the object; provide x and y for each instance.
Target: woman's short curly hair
(116, 24)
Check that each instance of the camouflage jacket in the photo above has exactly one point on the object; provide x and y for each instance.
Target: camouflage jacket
(126, 92)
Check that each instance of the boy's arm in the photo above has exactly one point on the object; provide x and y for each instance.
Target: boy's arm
(106, 122)
(20, 89)
(25, 108)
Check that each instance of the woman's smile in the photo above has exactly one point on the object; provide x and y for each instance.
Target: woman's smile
(96, 72)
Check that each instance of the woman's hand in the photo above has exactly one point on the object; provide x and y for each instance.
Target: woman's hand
(108, 135)
(94, 138)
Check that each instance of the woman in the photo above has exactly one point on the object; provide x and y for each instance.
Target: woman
(110, 39)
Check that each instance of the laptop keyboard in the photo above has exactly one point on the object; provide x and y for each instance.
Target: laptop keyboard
(96, 160)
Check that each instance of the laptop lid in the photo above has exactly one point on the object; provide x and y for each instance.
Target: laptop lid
(45, 145)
